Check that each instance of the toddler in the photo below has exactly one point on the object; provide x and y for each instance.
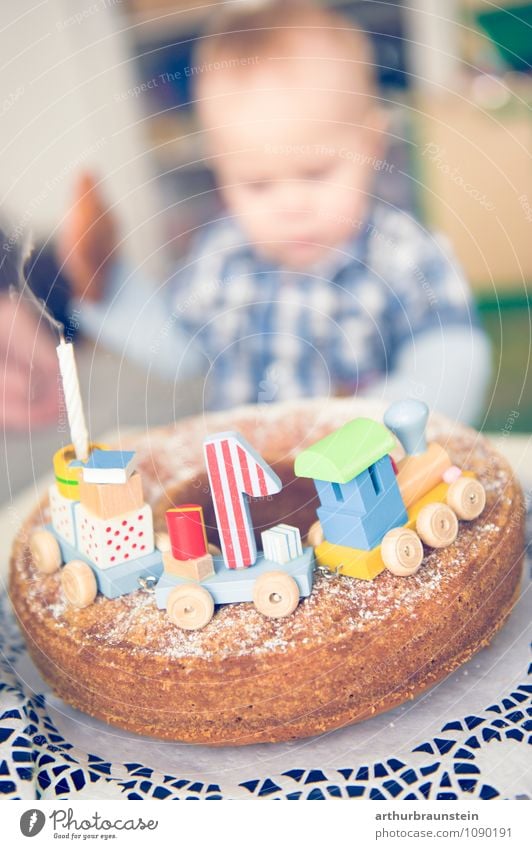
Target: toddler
(307, 284)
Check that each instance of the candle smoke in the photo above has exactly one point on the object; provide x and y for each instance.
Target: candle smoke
(12, 268)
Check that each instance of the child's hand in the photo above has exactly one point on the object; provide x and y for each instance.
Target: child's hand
(29, 388)
(88, 240)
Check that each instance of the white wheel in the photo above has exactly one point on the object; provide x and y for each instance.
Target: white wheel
(402, 552)
(45, 552)
(190, 607)
(467, 497)
(275, 594)
(315, 535)
(437, 525)
(79, 583)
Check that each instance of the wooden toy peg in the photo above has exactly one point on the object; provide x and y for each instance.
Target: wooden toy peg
(407, 420)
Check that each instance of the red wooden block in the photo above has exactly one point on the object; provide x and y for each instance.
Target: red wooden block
(186, 528)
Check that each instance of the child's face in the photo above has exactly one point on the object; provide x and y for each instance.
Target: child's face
(295, 167)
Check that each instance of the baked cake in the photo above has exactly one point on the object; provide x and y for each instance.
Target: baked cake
(353, 648)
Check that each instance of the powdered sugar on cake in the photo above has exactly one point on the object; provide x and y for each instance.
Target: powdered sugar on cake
(337, 606)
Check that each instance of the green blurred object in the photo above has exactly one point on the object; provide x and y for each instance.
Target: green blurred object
(509, 326)
(510, 29)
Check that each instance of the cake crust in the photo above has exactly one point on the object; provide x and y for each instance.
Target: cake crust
(351, 650)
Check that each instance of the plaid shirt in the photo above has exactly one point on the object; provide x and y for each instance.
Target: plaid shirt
(268, 334)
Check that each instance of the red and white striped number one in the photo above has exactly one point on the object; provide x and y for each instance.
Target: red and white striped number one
(236, 471)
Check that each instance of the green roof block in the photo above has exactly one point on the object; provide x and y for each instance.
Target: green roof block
(342, 455)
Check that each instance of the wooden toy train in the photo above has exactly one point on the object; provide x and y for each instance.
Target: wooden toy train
(102, 529)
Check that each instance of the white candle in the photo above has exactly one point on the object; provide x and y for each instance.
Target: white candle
(76, 418)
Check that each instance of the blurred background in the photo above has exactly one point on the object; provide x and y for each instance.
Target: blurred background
(104, 86)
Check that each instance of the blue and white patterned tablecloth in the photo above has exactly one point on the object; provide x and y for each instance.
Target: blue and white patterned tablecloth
(467, 738)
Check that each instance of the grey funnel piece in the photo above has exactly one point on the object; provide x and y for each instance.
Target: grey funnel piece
(407, 420)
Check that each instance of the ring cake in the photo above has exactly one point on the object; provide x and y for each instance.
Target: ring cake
(351, 640)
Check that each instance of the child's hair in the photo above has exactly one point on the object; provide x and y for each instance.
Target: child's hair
(242, 35)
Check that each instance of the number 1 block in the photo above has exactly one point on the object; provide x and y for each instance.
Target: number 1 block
(236, 471)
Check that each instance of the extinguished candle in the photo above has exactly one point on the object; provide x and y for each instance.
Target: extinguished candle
(76, 418)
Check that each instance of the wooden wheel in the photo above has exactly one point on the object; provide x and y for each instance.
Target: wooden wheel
(402, 552)
(275, 594)
(315, 534)
(79, 583)
(467, 497)
(45, 552)
(190, 607)
(437, 525)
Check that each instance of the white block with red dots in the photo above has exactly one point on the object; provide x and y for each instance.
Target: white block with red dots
(62, 512)
(108, 542)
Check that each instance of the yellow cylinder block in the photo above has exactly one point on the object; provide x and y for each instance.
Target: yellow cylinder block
(67, 478)
(418, 473)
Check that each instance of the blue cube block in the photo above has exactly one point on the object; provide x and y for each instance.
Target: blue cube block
(362, 493)
(364, 532)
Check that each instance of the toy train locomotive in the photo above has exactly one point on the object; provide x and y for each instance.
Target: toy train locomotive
(374, 514)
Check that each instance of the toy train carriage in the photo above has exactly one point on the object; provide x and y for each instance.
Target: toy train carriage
(371, 517)
(273, 579)
(101, 527)
(103, 530)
